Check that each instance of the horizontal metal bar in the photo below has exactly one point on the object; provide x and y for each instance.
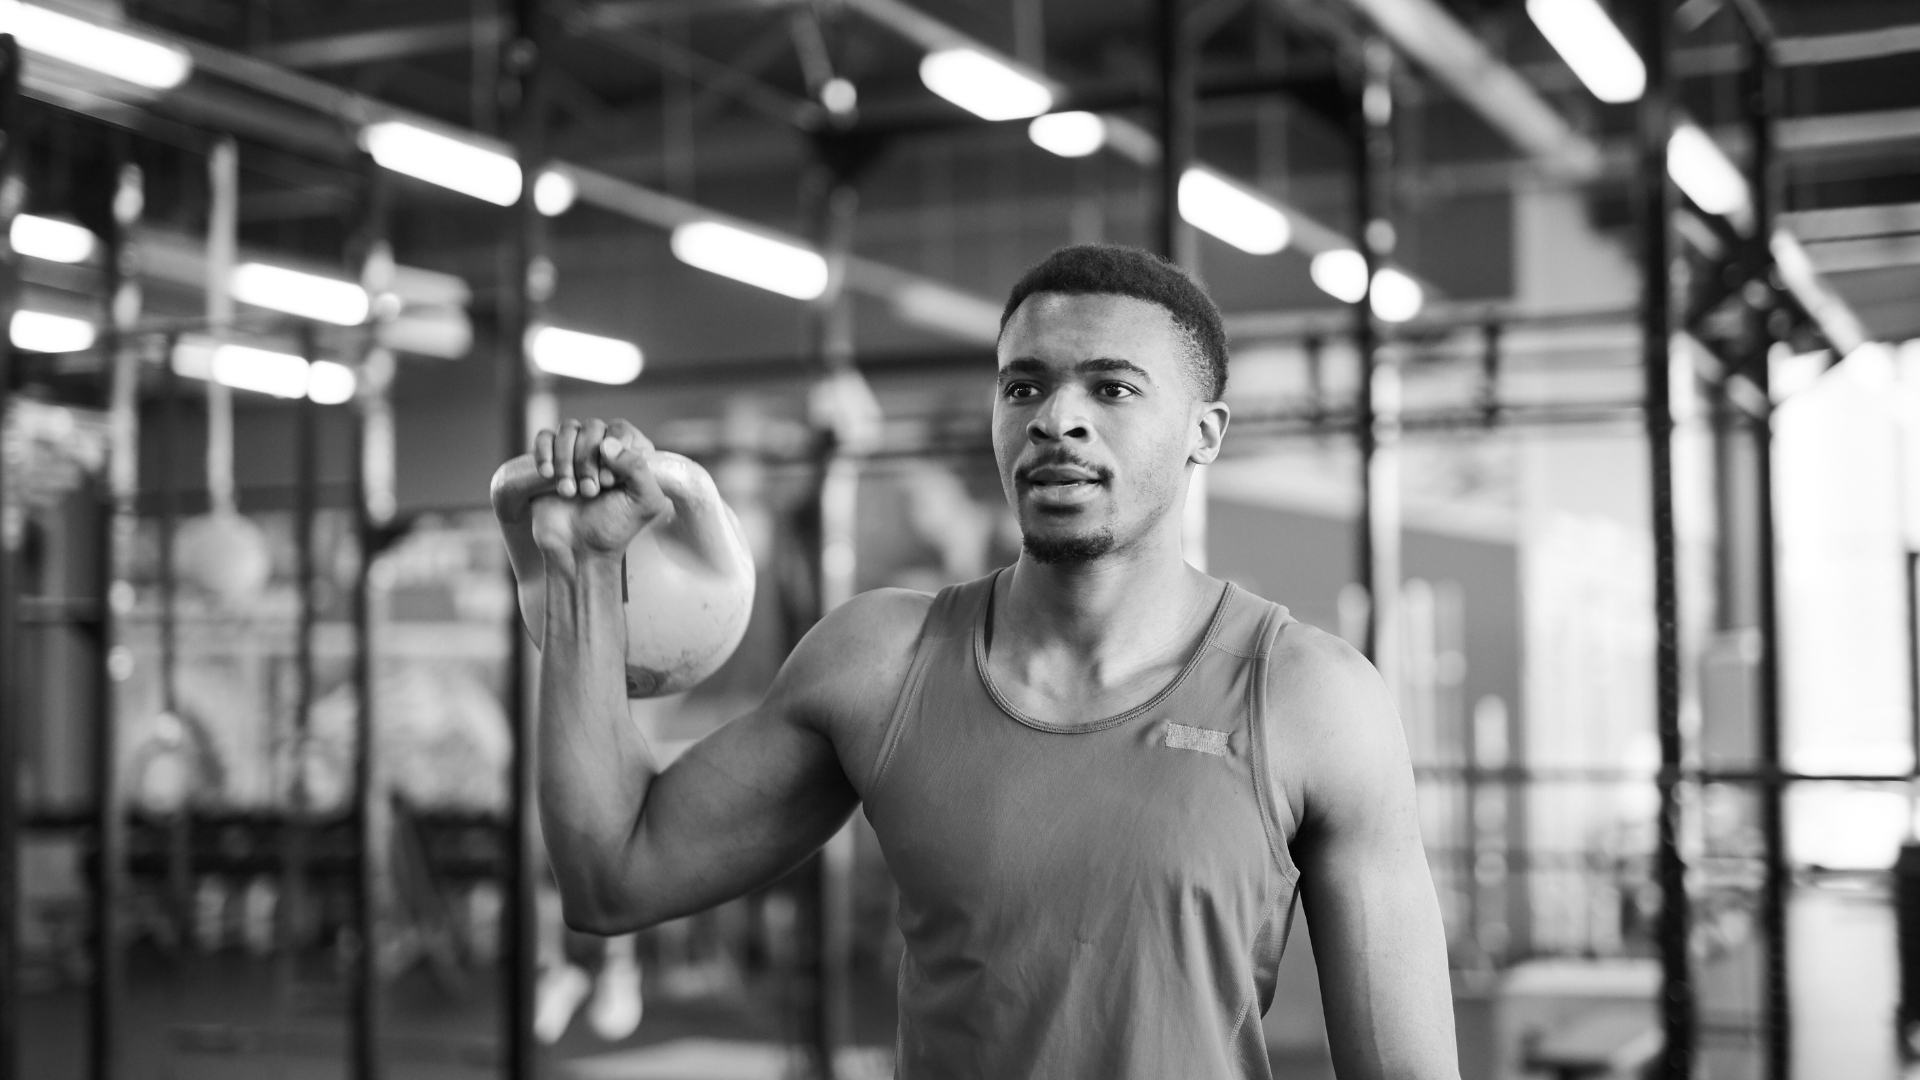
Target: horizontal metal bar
(390, 43)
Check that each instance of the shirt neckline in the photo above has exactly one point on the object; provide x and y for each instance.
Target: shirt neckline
(993, 690)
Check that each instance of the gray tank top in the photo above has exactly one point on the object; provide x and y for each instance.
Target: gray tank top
(1101, 900)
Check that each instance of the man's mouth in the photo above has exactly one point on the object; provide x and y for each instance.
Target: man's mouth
(1061, 486)
(1060, 476)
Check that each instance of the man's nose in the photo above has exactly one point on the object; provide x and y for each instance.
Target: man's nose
(1064, 416)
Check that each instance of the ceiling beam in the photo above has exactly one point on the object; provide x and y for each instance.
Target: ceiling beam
(1706, 61)
(719, 78)
(374, 46)
(1425, 31)
(1850, 222)
(1865, 253)
(916, 298)
(1846, 131)
(1124, 136)
(623, 14)
(1845, 48)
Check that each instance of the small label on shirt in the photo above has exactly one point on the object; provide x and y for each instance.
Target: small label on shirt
(1205, 740)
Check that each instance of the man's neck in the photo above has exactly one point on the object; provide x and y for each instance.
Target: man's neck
(1100, 623)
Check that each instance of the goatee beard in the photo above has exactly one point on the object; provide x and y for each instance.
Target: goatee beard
(1084, 548)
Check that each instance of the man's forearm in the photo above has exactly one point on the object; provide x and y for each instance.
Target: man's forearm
(529, 577)
(594, 766)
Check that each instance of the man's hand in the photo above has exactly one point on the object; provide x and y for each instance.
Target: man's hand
(609, 465)
(604, 491)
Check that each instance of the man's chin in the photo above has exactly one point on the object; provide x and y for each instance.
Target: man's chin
(1067, 548)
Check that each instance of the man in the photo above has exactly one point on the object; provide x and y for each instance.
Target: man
(1097, 776)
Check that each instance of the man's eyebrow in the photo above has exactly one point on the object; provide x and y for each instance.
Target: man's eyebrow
(1027, 365)
(1109, 364)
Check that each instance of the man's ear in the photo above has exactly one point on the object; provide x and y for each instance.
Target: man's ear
(1210, 430)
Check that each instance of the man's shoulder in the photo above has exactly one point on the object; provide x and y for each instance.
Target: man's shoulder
(856, 658)
(1331, 717)
(1309, 665)
(877, 625)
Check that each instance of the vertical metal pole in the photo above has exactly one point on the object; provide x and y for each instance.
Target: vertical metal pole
(1761, 89)
(164, 466)
(9, 788)
(1656, 321)
(523, 102)
(1316, 384)
(372, 508)
(179, 822)
(1490, 374)
(364, 988)
(1177, 240)
(1366, 345)
(839, 510)
(1776, 882)
(1913, 671)
(109, 827)
(223, 227)
(1173, 238)
(1377, 425)
(293, 894)
(123, 407)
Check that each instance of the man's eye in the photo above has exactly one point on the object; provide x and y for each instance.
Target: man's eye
(1021, 390)
(1116, 390)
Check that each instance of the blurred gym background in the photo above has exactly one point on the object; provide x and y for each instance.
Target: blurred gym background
(1576, 378)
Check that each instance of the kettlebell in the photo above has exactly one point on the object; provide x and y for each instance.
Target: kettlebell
(689, 573)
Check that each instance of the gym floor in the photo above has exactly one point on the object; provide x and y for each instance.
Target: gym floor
(237, 1017)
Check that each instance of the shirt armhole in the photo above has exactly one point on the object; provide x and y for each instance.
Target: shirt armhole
(1274, 811)
(910, 686)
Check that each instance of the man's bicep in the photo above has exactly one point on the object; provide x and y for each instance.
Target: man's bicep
(750, 801)
(1378, 939)
(742, 806)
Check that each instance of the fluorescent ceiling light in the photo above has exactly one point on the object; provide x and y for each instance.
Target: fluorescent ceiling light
(937, 307)
(1395, 297)
(1702, 170)
(440, 159)
(1069, 134)
(193, 356)
(775, 265)
(583, 356)
(54, 241)
(445, 333)
(1583, 35)
(554, 192)
(1230, 212)
(1341, 274)
(983, 85)
(96, 48)
(37, 331)
(329, 383)
(309, 296)
(263, 371)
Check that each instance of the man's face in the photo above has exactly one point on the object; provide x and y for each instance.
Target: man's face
(1095, 419)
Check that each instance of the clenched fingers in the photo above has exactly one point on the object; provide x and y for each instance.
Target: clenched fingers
(563, 459)
(586, 457)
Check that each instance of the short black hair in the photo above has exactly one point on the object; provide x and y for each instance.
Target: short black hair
(1118, 270)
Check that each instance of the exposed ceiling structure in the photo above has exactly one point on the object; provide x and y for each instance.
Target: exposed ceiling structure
(670, 111)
